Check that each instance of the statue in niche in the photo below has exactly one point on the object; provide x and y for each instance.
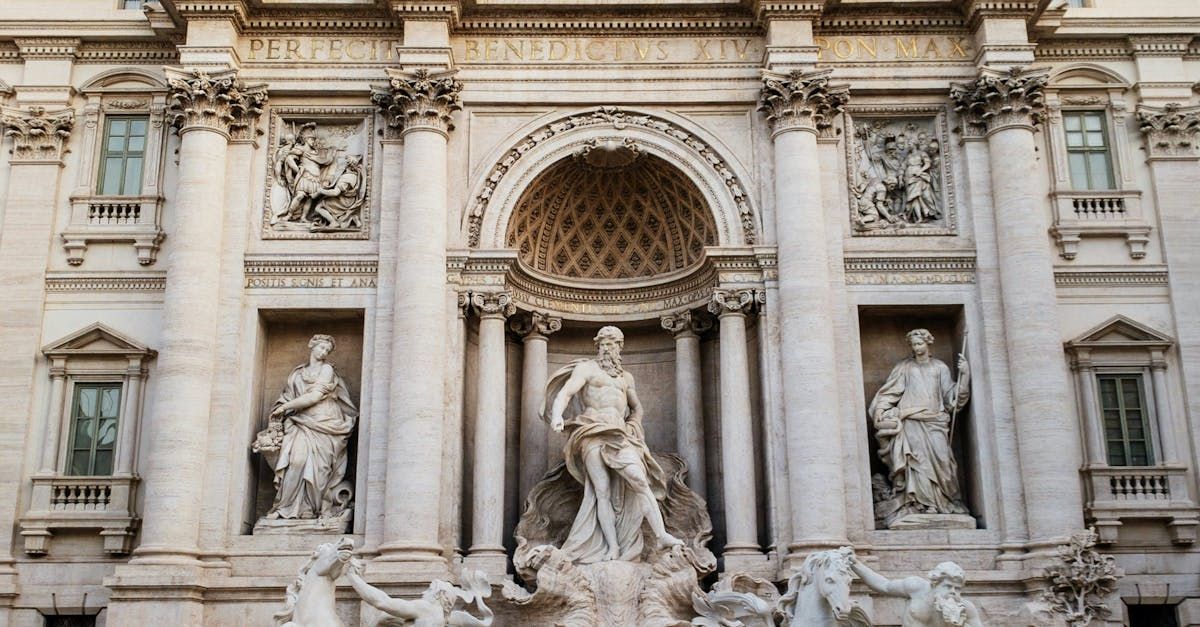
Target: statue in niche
(305, 443)
(912, 418)
(322, 191)
(935, 601)
(606, 452)
(896, 178)
(612, 536)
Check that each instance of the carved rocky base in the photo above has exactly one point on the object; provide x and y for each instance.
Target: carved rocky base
(279, 526)
(933, 521)
(608, 594)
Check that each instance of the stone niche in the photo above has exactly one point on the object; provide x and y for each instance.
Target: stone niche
(882, 331)
(285, 334)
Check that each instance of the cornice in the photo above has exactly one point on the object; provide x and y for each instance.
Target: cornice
(230, 10)
(275, 267)
(524, 24)
(128, 52)
(1083, 50)
(1159, 45)
(889, 20)
(975, 11)
(47, 47)
(909, 270)
(442, 10)
(87, 282)
(1110, 278)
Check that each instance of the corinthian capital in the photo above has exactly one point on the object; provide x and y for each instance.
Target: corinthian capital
(217, 101)
(536, 324)
(732, 301)
(38, 135)
(997, 100)
(493, 304)
(1171, 131)
(418, 99)
(802, 100)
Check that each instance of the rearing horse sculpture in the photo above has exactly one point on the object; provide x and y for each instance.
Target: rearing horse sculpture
(818, 594)
(310, 599)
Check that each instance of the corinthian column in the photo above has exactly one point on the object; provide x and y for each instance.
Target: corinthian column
(534, 330)
(1006, 107)
(798, 106)
(1172, 135)
(203, 108)
(39, 143)
(689, 404)
(487, 512)
(737, 431)
(417, 105)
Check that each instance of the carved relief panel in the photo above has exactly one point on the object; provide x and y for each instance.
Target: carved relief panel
(318, 181)
(899, 173)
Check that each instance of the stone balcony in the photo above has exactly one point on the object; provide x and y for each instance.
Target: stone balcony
(1079, 214)
(81, 503)
(114, 219)
(1141, 493)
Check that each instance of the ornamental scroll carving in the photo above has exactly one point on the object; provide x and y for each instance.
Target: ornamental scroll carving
(536, 324)
(493, 304)
(900, 181)
(418, 99)
(1172, 131)
(617, 119)
(732, 301)
(217, 101)
(996, 100)
(38, 135)
(802, 100)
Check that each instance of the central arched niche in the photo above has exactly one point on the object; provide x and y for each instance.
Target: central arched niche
(611, 213)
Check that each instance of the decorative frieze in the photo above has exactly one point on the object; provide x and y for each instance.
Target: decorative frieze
(948, 270)
(1110, 278)
(898, 172)
(318, 181)
(302, 273)
(997, 100)
(1170, 131)
(418, 99)
(804, 100)
(217, 101)
(37, 134)
(89, 283)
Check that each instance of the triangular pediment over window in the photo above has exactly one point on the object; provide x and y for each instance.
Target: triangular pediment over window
(1120, 331)
(96, 339)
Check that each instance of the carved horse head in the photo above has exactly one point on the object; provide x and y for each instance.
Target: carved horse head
(818, 593)
(310, 598)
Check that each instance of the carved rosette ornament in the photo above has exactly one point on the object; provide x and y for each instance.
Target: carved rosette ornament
(1080, 581)
(418, 99)
(802, 100)
(730, 301)
(38, 135)
(1172, 131)
(536, 324)
(685, 322)
(999, 100)
(217, 101)
(493, 304)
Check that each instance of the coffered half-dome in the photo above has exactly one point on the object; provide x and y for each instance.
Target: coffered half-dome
(611, 213)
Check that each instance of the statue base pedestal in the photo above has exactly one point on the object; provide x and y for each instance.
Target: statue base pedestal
(331, 526)
(933, 521)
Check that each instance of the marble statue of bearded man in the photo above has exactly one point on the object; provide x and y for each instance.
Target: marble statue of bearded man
(911, 414)
(596, 403)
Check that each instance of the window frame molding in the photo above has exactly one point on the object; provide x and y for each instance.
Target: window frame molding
(1093, 213)
(94, 354)
(128, 218)
(1160, 491)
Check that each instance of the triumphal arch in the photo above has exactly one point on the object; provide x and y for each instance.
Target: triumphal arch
(541, 312)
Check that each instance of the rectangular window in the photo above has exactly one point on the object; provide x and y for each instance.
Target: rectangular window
(1076, 3)
(123, 155)
(1087, 150)
(94, 416)
(132, 4)
(70, 621)
(1126, 428)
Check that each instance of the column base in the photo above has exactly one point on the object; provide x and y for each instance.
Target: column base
(157, 594)
(411, 552)
(493, 563)
(751, 562)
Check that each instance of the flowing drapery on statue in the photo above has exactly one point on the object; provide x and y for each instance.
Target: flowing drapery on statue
(912, 417)
(596, 402)
(306, 445)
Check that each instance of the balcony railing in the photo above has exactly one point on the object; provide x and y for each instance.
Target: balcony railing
(1118, 494)
(1099, 214)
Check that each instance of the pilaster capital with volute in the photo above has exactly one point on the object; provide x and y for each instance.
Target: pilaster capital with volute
(38, 135)
(216, 101)
(493, 304)
(685, 323)
(732, 301)
(418, 100)
(1001, 99)
(1171, 132)
(535, 325)
(802, 100)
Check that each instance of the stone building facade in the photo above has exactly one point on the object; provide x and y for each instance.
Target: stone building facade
(765, 196)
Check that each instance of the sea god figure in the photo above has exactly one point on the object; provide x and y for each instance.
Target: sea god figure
(911, 414)
(597, 405)
(933, 602)
(305, 444)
